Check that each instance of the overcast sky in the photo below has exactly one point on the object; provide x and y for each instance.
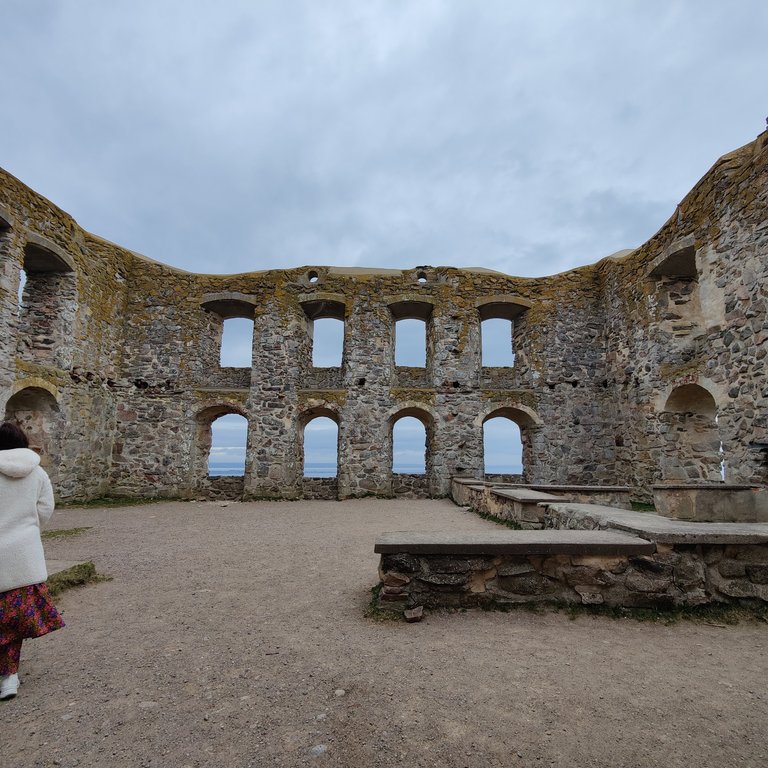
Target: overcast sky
(235, 136)
(244, 135)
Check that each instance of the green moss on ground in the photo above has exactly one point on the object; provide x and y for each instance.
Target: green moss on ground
(64, 533)
(76, 576)
(117, 501)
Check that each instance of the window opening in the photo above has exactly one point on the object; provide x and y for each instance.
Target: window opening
(236, 343)
(229, 434)
(321, 438)
(411, 343)
(496, 336)
(502, 447)
(409, 446)
(327, 343)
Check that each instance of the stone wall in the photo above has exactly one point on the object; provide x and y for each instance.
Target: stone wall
(672, 576)
(130, 356)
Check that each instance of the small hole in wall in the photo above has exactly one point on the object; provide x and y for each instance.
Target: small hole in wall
(361, 382)
(313, 277)
(421, 277)
(574, 384)
(456, 384)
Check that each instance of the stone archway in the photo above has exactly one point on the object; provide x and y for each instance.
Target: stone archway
(528, 421)
(204, 483)
(690, 436)
(37, 412)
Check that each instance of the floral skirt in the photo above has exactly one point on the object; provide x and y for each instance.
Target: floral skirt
(27, 612)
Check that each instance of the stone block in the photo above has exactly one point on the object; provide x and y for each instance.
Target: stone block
(757, 573)
(689, 573)
(588, 595)
(732, 569)
(526, 584)
(394, 579)
(400, 562)
(648, 581)
(514, 568)
(444, 579)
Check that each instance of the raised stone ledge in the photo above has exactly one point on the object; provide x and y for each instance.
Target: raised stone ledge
(712, 502)
(662, 530)
(548, 542)
(526, 495)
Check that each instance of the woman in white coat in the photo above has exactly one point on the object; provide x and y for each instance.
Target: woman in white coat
(26, 500)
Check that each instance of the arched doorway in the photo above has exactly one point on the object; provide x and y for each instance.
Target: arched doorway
(36, 411)
(319, 452)
(219, 464)
(411, 439)
(508, 454)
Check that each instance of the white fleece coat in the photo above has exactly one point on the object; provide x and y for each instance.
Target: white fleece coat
(26, 500)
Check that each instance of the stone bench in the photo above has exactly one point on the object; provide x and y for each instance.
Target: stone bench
(589, 553)
(507, 567)
(515, 503)
(520, 505)
(612, 495)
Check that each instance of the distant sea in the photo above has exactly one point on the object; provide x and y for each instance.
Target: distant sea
(329, 470)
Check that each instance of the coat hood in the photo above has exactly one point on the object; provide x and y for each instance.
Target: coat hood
(18, 462)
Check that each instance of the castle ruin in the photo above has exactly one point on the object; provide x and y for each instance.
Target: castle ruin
(645, 367)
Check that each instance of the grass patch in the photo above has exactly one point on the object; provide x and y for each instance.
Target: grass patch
(63, 533)
(76, 576)
(513, 524)
(375, 612)
(642, 506)
(116, 501)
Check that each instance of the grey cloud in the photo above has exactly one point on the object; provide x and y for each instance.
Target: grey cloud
(527, 139)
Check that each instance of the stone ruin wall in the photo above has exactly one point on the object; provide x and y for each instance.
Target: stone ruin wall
(115, 360)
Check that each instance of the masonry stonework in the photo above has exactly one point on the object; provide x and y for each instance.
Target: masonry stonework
(632, 371)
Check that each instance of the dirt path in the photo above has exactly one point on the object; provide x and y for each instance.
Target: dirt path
(235, 636)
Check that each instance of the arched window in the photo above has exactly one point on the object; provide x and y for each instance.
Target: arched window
(502, 446)
(325, 315)
(409, 446)
(48, 304)
(321, 438)
(412, 335)
(411, 343)
(327, 342)
(502, 325)
(229, 434)
(496, 336)
(236, 343)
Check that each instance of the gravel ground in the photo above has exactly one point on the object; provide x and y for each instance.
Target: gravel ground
(236, 636)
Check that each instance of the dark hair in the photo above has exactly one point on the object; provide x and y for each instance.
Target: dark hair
(12, 436)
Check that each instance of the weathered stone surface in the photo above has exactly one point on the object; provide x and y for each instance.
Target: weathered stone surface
(112, 362)
(758, 573)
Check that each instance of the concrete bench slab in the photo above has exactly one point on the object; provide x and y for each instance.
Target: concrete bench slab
(547, 542)
(660, 529)
(526, 495)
